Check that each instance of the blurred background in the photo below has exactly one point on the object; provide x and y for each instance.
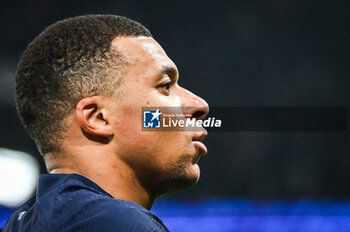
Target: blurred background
(232, 53)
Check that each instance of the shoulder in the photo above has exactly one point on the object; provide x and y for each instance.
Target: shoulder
(68, 203)
(108, 214)
(26, 218)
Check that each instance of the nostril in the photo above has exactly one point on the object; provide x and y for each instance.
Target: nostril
(198, 114)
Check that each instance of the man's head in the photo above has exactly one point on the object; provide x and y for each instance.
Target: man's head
(91, 98)
(68, 61)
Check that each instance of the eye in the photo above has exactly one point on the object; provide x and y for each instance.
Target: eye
(166, 86)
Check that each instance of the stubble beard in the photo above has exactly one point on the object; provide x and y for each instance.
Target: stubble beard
(172, 178)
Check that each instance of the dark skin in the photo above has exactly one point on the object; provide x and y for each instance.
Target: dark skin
(105, 142)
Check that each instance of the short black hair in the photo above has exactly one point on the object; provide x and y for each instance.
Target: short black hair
(68, 61)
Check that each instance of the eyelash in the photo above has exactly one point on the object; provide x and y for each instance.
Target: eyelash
(166, 85)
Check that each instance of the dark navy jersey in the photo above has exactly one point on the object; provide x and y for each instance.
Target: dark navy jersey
(71, 202)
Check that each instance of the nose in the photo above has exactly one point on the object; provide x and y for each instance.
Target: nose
(193, 105)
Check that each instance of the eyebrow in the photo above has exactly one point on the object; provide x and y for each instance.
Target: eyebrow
(171, 71)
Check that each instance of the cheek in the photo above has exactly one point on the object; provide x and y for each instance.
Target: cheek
(154, 150)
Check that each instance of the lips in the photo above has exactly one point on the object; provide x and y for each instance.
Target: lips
(197, 142)
(201, 147)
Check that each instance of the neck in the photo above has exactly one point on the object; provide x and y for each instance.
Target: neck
(112, 175)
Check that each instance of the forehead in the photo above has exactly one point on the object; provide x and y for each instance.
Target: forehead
(142, 50)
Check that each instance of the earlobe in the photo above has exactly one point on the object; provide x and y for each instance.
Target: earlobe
(93, 117)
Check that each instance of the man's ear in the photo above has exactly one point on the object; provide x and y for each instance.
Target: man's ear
(93, 117)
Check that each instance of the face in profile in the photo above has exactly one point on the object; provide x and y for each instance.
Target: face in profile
(163, 161)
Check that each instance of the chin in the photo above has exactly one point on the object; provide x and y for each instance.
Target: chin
(194, 174)
(188, 177)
